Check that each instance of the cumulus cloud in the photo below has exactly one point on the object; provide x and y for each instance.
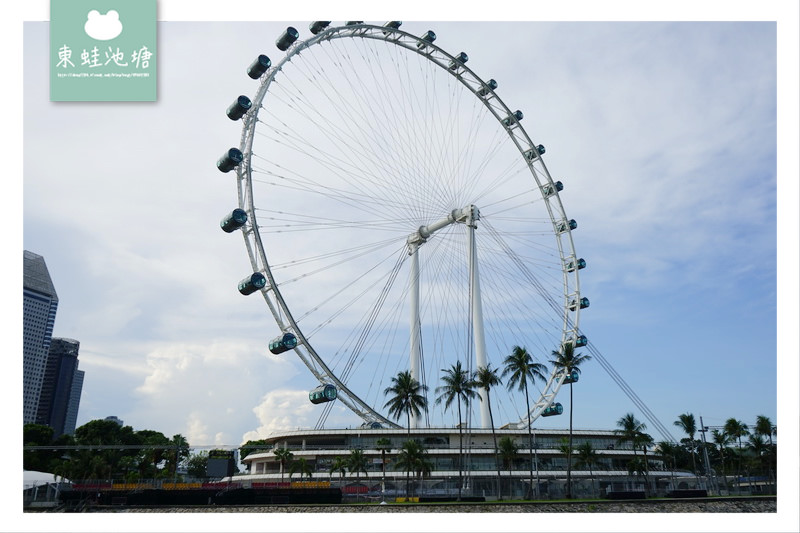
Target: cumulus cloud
(103, 27)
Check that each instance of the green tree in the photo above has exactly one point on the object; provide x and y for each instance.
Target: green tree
(522, 371)
(301, 465)
(197, 464)
(38, 435)
(508, 452)
(407, 397)
(629, 430)
(339, 465)
(587, 457)
(283, 456)
(253, 446)
(357, 463)
(568, 362)
(737, 429)
(687, 423)
(669, 452)
(457, 385)
(180, 451)
(486, 378)
(412, 457)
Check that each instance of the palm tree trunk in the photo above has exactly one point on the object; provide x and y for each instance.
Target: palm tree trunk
(569, 454)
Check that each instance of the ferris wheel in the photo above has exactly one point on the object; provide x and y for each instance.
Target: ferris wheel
(397, 216)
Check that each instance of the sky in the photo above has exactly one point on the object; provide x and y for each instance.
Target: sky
(677, 156)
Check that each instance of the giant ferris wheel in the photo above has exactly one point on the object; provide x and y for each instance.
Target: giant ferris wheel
(398, 216)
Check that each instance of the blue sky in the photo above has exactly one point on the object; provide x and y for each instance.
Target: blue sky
(664, 134)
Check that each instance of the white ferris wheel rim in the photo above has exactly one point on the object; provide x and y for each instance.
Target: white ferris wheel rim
(272, 293)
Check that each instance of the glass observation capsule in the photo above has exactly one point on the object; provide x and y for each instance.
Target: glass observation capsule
(584, 303)
(233, 220)
(533, 153)
(490, 86)
(554, 409)
(318, 26)
(282, 343)
(579, 264)
(581, 341)
(459, 60)
(572, 377)
(566, 226)
(230, 160)
(258, 67)
(513, 118)
(550, 189)
(252, 283)
(323, 393)
(239, 107)
(286, 39)
(428, 37)
(394, 24)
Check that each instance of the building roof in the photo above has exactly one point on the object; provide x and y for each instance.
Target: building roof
(36, 277)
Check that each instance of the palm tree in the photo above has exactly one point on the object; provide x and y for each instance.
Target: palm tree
(408, 396)
(412, 458)
(687, 423)
(302, 466)
(737, 429)
(283, 456)
(339, 465)
(587, 456)
(669, 452)
(765, 428)
(384, 445)
(521, 368)
(721, 439)
(508, 451)
(568, 362)
(485, 378)
(457, 385)
(630, 430)
(357, 463)
(644, 440)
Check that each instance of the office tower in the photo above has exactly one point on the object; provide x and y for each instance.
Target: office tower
(40, 303)
(61, 387)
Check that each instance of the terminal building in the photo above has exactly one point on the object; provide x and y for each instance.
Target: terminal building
(609, 471)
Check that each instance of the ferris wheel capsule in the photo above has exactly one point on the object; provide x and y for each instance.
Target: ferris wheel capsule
(233, 221)
(239, 108)
(549, 189)
(428, 37)
(487, 88)
(553, 410)
(258, 67)
(287, 38)
(282, 343)
(458, 61)
(230, 160)
(252, 283)
(318, 26)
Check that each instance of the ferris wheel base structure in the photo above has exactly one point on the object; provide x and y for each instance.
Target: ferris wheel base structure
(369, 142)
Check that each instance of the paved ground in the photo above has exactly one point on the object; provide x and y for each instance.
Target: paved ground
(699, 505)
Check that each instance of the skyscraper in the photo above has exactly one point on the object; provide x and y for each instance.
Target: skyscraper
(40, 303)
(61, 387)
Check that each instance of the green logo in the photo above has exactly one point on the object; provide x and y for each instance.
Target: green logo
(103, 50)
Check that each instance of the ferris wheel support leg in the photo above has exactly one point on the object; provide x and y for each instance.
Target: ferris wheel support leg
(415, 355)
(479, 338)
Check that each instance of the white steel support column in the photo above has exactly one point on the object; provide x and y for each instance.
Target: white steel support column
(478, 335)
(415, 342)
